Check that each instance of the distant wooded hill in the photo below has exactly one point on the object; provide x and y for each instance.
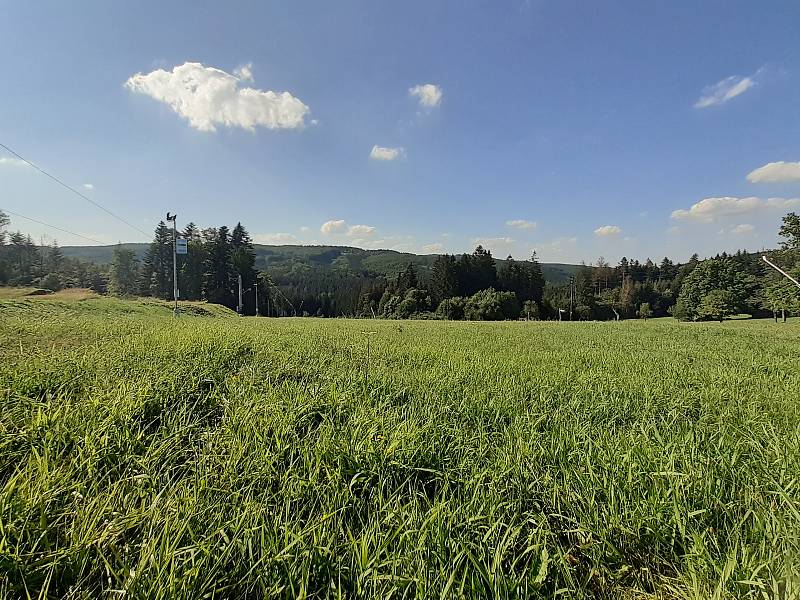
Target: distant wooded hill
(378, 262)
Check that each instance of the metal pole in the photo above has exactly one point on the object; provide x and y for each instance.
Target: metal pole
(781, 271)
(174, 219)
(571, 291)
(256, 289)
(240, 308)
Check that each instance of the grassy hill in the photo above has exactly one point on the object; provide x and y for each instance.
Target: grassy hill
(221, 457)
(380, 262)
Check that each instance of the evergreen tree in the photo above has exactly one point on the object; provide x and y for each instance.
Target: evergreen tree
(124, 269)
(444, 278)
(243, 260)
(155, 275)
(55, 258)
(407, 280)
(192, 264)
(219, 279)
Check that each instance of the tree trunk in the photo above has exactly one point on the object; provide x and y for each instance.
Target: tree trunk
(783, 314)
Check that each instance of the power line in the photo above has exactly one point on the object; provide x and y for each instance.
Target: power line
(73, 190)
(11, 212)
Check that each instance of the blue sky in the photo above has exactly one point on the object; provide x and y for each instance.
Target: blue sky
(577, 129)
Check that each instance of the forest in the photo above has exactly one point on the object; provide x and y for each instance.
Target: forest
(474, 286)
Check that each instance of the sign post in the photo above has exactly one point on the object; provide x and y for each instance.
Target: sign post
(174, 219)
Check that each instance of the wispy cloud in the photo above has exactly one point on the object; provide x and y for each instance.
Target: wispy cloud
(743, 229)
(709, 210)
(12, 162)
(521, 224)
(381, 153)
(279, 239)
(725, 90)
(608, 231)
(88, 186)
(562, 248)
(360, 231)
(435, 248)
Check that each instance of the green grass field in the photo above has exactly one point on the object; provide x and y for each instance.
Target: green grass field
(213, 456)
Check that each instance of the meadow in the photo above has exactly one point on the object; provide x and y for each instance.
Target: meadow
(212, 456)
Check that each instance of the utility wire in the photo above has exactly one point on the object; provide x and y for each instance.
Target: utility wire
(73, 190)
(11, 212)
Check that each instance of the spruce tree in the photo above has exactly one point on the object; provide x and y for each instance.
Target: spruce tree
(219, 275)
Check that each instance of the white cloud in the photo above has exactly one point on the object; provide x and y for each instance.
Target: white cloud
(278, 239)
(88, 186)
(13, 162)
(208, 97)
(498, 245)
(558, 249)
(521, 224)
(305, 229)
(722, 91)
(381, 153)
(775, 172)
(428, 94)
(743, 229)
(360, 231)
(245, 72)
(333, 226)
(435, 248)
(608, 231)
(710, 209)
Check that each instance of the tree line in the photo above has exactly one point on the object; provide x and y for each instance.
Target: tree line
(23, 263)
(471, 286)
(210, 271)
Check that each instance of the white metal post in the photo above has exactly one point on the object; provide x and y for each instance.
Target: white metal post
(781, 271)
(240, 309)
(174, 219)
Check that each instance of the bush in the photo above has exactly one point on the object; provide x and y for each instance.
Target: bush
(717, 305)
(491, 305)
(51, 282)
(452, 308)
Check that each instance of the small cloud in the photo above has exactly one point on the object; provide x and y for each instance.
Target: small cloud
(208, 97)
(278, 239)
(245, 72)
(12, 162)
(333, 226)
(674, 230)
(381, 153)
(428, 94)
(708, 210)
(498, 245)
(435, 248)
(608, 231)
(776, 172)
(305, 229)
(743, 229)
(88, 186)
(360, 231)
(558, 249)
(727, 89)
(521, 224)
